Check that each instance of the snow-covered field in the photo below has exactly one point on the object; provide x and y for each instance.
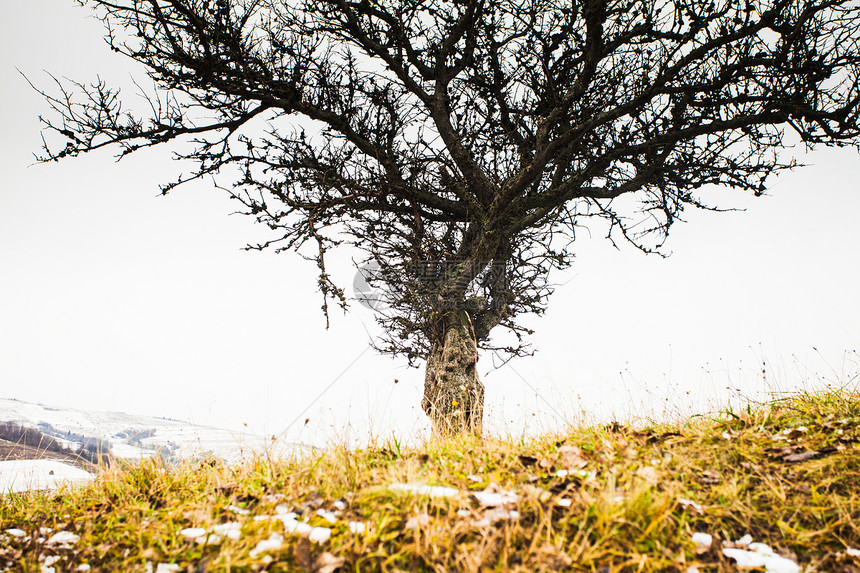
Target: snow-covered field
(23, 475)
(128, 436)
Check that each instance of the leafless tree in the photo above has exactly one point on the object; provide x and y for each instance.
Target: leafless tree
(460, 144)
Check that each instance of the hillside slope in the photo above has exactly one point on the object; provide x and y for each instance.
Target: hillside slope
(129, 436)
(773, 488)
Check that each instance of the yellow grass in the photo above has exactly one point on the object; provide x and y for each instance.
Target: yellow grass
(606, 499)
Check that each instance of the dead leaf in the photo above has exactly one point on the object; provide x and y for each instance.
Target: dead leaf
(572, 458)
(528, 460)
(615, 428)
(795, 433)
(663, 437)
(709, 477)
(780, 452)
(649, 474)
(801, 457)
(328, 563)
(302, 553)
(797, 453)
(553, 558)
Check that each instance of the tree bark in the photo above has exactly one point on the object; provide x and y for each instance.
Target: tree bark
(453, 394)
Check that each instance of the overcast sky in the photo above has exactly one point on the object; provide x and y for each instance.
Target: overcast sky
(113, 298)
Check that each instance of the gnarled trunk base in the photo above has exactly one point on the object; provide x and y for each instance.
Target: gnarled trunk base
(453, 394)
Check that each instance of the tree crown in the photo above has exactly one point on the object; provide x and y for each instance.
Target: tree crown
(460, 144)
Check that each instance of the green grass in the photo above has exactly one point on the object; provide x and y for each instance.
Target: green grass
(622, 496)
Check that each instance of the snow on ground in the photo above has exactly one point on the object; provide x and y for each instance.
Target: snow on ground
(136, 437)
(23, 475)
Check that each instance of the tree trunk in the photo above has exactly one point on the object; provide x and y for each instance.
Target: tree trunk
(453, 394)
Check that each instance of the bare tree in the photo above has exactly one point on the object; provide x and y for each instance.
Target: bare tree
(461, 143)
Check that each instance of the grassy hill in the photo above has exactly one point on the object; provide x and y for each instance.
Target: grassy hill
(774, 486)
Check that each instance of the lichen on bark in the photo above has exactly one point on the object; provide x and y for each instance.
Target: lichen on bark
(453, 393)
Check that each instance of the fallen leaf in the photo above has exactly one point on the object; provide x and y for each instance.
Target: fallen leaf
(794, 433)
(801, 457)
(709, 477)
(328, 563)
(649, 474)
(302, 554)
(615, 427)
(572, 457)
(553, 558)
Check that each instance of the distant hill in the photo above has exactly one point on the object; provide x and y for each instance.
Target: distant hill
(67, 432)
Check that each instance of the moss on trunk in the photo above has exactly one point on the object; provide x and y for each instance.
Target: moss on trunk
(453, 394)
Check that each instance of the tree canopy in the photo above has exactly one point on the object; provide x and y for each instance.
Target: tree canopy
(461, 144)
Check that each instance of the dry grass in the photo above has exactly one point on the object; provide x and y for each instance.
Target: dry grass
(788, 474)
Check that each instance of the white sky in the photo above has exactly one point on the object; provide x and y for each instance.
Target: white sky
(113, 298)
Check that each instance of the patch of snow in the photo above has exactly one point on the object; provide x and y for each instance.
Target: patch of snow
(193, 532)
(761, 555)
(124, 433)
(703, 541)
(495, 498)
(357, 527)
(238, 510)
(319, 534)
(63, 538)
(25, 475)
(417, 522)
(688, 503)
(275, 541)
(424, 489)
(494, 515)
(231, 530)
(327, 515)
